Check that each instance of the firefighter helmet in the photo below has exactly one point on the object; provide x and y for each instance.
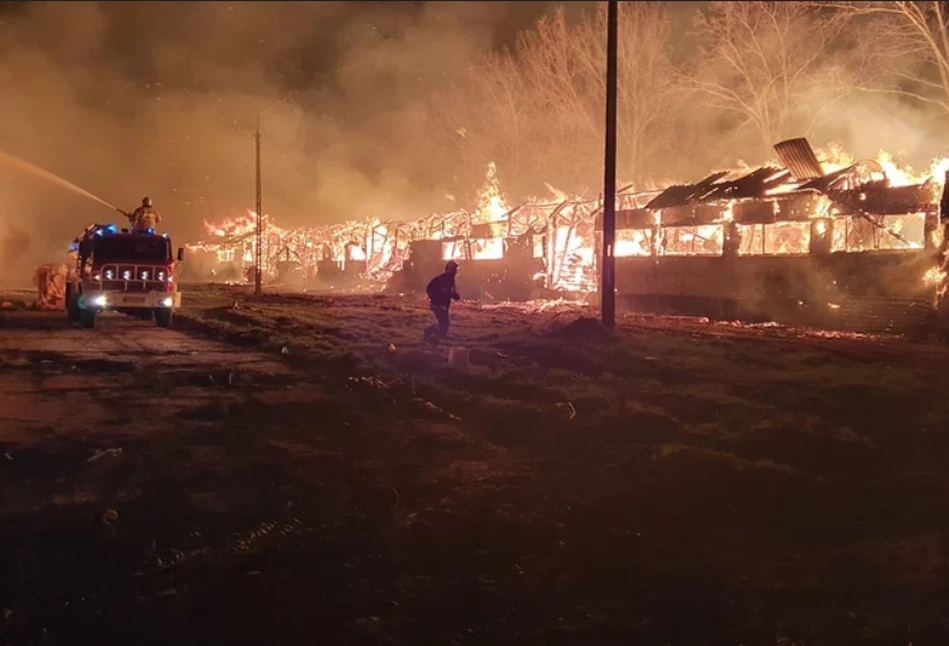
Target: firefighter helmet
(146, 201)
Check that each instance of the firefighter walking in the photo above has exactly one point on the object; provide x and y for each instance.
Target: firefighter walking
(441, 292)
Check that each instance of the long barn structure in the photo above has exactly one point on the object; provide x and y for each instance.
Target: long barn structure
(854, 247)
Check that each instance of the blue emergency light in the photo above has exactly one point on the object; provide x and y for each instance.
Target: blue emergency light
(150, 231)
(74, 246)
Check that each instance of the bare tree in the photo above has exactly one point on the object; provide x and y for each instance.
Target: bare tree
(505, 113)
(767, 63)
(911, 46)
(566, 128)
(648, 87)
(538, 111)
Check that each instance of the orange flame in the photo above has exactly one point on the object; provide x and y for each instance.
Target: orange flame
(568, 244)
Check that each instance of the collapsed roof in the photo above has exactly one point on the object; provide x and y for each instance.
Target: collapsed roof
(858, 189)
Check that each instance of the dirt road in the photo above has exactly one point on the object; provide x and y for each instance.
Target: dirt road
(159, 488)
(111, 381)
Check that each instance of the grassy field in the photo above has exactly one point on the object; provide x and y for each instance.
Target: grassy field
(683, 482)
(762, 475)
(718, 385)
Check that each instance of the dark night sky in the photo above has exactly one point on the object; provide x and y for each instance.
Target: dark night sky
(300, 44)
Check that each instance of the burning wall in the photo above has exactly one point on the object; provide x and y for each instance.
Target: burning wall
(846, 206)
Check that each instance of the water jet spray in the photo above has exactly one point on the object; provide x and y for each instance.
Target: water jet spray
(16, 162)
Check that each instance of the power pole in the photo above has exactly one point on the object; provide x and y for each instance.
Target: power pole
(259, 260)
(258, 247)
(608, 259)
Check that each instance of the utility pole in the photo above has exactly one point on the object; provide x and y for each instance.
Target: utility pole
(258, 247)
(608, 259)
(259, 252)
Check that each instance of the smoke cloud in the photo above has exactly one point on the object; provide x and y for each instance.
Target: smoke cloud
(160, 99)
(157, 99)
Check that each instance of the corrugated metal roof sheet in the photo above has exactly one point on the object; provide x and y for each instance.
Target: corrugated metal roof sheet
(798, 156)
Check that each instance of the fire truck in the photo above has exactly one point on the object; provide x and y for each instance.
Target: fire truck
(132, 272)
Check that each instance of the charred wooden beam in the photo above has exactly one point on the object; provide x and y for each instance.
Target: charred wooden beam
(754, 184)
(879, 199)
(682, 194)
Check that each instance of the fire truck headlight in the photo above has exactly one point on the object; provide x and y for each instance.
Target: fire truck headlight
(126, 275)
(168, 302)
(144, 275)
(109, 274)
(100, 301)
(160, 275)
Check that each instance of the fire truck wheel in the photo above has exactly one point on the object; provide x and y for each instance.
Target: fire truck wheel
(87, 318)
(163, 318)
(72, 306)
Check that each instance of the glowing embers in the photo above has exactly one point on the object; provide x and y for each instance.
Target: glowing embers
(573, 263)
(775, 239)
(355, 253)
(847, 234)
(633, 242)
(453, 250)
(879, 232)
(702, 240)
(934, 276)
(938, 236)
(487, 249)
(474, 249)
(381, 248)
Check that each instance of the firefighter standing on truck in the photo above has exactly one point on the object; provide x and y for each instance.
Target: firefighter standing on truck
(145, 216)
(441, 292)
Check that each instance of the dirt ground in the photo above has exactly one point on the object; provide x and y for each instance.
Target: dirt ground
(302, 469)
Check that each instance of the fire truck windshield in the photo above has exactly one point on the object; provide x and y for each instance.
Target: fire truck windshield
(137, 248)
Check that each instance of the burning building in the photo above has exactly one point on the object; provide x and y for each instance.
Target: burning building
(848, 245)
(838, 241)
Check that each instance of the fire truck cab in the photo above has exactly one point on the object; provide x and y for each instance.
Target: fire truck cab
(132, 272)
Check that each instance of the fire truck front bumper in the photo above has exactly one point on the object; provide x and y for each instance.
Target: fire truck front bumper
(130, 300)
